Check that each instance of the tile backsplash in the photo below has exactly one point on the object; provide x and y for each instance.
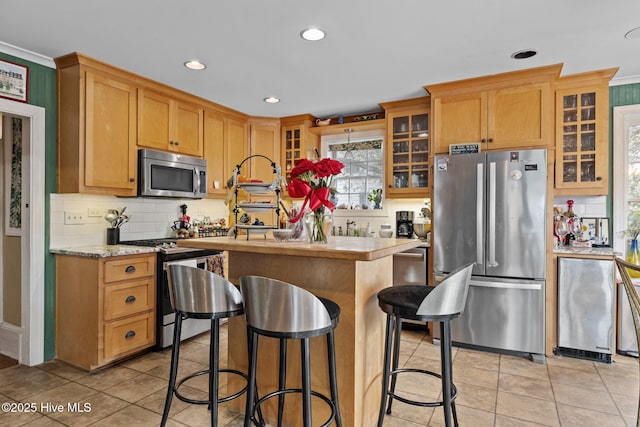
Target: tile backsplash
(584, 206)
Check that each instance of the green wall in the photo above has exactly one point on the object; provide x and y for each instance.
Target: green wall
(618, 96)
(42, 92)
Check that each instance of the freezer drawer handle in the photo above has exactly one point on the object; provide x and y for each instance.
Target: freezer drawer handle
(526, 286)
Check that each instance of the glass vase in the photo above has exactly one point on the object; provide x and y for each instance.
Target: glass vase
(318, 224)
(633, 256)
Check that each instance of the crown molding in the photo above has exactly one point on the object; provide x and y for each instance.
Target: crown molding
(27, 55)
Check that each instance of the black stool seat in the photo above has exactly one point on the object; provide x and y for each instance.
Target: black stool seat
(333, 309)
(427, 304)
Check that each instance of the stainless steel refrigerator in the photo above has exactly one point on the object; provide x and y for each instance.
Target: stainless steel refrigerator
(490, 208)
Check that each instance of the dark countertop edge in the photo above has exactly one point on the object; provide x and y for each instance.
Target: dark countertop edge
(103, 251)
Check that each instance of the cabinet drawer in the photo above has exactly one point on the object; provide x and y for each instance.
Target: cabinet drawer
(134, 333)
(128, 298)
(129, 268)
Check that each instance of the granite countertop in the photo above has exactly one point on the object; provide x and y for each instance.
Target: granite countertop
(595, 252)
(103, 251)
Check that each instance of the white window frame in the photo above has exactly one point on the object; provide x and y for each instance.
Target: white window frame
(623, 117)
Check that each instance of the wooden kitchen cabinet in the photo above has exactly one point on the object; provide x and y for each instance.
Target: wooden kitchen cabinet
(297, 141)
(407, 148)
(105, 308)
(225, 146)
(165, 123)
(582, 133)
(96, 128)
(510, 110)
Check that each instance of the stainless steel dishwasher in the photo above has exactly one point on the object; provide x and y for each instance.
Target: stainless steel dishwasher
(586, 308)
(410, 268)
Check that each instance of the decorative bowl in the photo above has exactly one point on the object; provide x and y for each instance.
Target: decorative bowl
(385, 233)
(282, 234)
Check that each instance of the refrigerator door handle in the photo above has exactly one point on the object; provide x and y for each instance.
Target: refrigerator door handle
(479, 213)
(491, 261)
(504, 285)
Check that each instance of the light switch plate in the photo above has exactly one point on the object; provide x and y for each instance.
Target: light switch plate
(74, 217)
(95, 212)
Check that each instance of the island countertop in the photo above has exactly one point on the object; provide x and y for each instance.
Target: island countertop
(338, 247)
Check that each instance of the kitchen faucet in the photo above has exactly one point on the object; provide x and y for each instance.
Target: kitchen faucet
(349, 222)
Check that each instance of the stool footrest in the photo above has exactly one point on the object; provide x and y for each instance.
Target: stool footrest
(454, 390)
(207, 372)
(296, 390)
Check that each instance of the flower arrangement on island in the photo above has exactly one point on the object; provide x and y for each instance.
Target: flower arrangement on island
(312, 181)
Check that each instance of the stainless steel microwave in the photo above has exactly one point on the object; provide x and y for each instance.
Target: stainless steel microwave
(162, 174)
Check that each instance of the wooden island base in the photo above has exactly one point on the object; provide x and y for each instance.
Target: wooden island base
(349, 276)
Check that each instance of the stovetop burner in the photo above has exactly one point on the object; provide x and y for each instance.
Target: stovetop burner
(167, 245)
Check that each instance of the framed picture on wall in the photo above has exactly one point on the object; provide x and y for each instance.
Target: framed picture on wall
(13, 81)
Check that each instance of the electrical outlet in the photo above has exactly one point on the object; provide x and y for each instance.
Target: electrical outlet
(74, 217)
(95, 212)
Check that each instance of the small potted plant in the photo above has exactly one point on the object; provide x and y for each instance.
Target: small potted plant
(376, 197)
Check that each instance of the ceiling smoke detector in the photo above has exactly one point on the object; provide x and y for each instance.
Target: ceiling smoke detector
(524, 54)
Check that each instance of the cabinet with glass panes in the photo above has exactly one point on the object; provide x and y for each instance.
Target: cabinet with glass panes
(296, 142)
(407, 148)
(582, 126)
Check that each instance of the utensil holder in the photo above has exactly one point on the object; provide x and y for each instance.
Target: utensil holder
(113, 236)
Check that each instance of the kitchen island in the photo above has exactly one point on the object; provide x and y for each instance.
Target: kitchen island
(347, 270)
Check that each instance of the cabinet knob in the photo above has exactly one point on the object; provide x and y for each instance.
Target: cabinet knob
(598, 178)
(177, 142)
(130, 334)
(130, 269)
(132, 180)
(171, 143)
(483, 140)
(490, 139)
(130, 299)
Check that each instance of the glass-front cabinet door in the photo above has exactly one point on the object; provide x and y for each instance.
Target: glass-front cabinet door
(582, 139)
(408, 154)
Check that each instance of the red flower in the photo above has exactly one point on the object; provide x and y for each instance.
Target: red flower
(302, 166)
(327, 167)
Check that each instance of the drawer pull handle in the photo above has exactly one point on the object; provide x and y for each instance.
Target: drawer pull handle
(130, 269)
(130, 299)
(130, 334)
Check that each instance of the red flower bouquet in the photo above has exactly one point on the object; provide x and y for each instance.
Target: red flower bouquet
(312, 181)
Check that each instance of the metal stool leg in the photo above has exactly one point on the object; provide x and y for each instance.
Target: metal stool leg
(447, 377)
(386, 367)
(175, 354)
(306, 383)
(333, 383)
(282, 378)
(396, 356)
(214, 370)
(251, 386)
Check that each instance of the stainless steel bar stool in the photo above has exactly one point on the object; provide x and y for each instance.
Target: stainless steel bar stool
(442, 304)
(281, 310)
(199, 294)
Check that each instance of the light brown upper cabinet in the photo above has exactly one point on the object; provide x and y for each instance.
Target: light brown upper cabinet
(582, 133)
(96, 128)
(407, 148)
(510, 110)
(169, 124)
(297, 141)
(264, 140)
(225, 146)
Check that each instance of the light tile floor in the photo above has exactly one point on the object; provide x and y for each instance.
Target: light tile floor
(494, 390)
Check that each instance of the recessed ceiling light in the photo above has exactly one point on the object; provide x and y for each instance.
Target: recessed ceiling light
(195, 65)
(312, 34)
(524, 54)
(271, 100)
(633, 34)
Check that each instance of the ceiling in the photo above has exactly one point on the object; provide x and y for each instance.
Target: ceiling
(375, 51)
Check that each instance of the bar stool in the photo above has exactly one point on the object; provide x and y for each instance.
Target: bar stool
(441, 303)
(281, 310)
(199, 294)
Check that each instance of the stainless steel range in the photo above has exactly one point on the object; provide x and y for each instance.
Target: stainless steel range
(169, 253)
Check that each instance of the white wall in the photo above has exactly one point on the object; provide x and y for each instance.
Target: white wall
(149, 218)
